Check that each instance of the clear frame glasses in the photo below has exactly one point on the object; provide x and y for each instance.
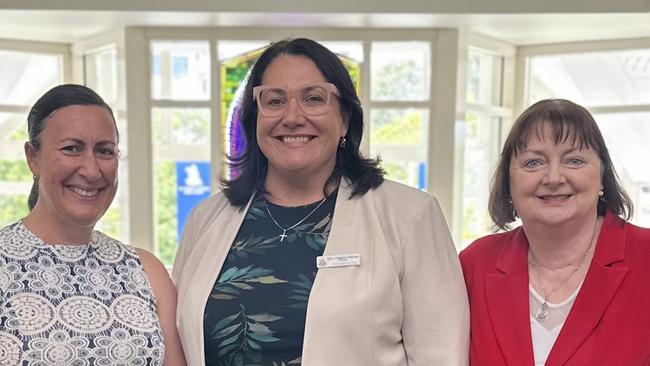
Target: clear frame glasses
(312, 99)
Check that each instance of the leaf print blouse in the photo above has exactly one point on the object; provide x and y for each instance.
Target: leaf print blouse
(75, 305)
(256, 312)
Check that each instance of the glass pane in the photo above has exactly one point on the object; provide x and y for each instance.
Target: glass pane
(242, 56)
(484, 74)
(180, 70)
(480, 139)
(24, 77)
(230, 49)
(592, 79)
(627, 136)
(101, 75)
(181, 144)
(15, 177)
(352, 50)
(400, 71)
(400, 138)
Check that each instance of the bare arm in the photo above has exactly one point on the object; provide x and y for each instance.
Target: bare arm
(165, 293)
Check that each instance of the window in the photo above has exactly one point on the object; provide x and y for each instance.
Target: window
(400, 81)
(180, 132)
(478, 139)
(24, 77)
(181, 70)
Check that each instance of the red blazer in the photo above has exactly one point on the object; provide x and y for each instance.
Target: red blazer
(609, 323)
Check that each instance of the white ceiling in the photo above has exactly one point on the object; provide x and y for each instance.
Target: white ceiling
(519, 29)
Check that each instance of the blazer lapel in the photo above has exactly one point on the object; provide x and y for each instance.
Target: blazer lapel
(341, 240)
(507, 301)
(600, 285)
(341, 232)
(209, 258)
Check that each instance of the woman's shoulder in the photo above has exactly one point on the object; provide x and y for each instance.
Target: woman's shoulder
(488, 247)
(638, 240)
(211, 207)
(400, 195)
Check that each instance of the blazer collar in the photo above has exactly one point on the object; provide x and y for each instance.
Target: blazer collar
(603, 279)
(507, 308)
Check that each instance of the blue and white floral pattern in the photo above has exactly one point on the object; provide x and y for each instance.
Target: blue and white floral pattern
(122, 349)
(45, 275)
(99, 279)
(76, 305)
(58, 349)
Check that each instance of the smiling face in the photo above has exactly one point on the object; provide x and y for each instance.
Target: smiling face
(552, 184)
(76, 165)
(296, 143)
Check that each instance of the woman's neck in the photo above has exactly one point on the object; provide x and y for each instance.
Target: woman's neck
(556, 248)
(53, 231)
(295, 190)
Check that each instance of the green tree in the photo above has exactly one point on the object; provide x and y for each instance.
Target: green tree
(13, 207)
(165, 210)
(14, 171)
(398, 81)
(396, 127)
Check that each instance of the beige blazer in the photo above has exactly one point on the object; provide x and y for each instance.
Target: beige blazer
(406, 304)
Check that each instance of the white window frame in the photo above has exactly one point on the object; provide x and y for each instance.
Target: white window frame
(503, 111)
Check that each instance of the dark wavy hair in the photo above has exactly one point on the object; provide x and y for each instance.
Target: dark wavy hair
(252, 164)
(572, 123)
(56, 98)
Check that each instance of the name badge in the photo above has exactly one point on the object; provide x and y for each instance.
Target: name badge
(341, 260)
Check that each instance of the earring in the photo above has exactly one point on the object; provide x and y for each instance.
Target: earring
(342, 142)
(35, 177)
(514, 211)
(601, 193)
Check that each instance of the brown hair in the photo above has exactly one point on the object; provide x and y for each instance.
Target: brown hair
(571, 123)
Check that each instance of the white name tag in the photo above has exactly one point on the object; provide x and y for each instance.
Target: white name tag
(341, 260)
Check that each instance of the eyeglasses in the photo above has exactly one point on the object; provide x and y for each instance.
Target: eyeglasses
(313, 99)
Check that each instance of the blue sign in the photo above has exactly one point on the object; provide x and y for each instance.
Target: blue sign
(193, 185)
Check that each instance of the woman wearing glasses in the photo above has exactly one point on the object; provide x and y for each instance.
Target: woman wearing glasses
(308, 256)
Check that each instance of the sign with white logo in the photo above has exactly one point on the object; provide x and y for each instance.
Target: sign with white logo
(193, 185)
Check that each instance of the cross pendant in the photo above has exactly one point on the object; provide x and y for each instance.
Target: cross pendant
(283, 235)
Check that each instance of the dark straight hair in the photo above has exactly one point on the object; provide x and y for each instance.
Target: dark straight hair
(252, 164)
(571, 123)
(56, 98)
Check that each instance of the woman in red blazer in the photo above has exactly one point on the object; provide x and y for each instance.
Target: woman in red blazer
(571, 285)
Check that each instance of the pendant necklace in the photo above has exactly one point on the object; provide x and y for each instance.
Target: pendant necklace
(543, 312)
(284, 230)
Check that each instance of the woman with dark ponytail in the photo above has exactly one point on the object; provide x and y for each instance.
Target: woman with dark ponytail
(70, 294)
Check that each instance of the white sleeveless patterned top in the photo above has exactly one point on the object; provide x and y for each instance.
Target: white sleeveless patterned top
(77, 305)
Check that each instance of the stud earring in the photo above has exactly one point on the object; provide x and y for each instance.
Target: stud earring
(342, 142)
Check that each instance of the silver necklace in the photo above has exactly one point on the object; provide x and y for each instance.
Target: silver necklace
(284, 230)
(543, 312)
